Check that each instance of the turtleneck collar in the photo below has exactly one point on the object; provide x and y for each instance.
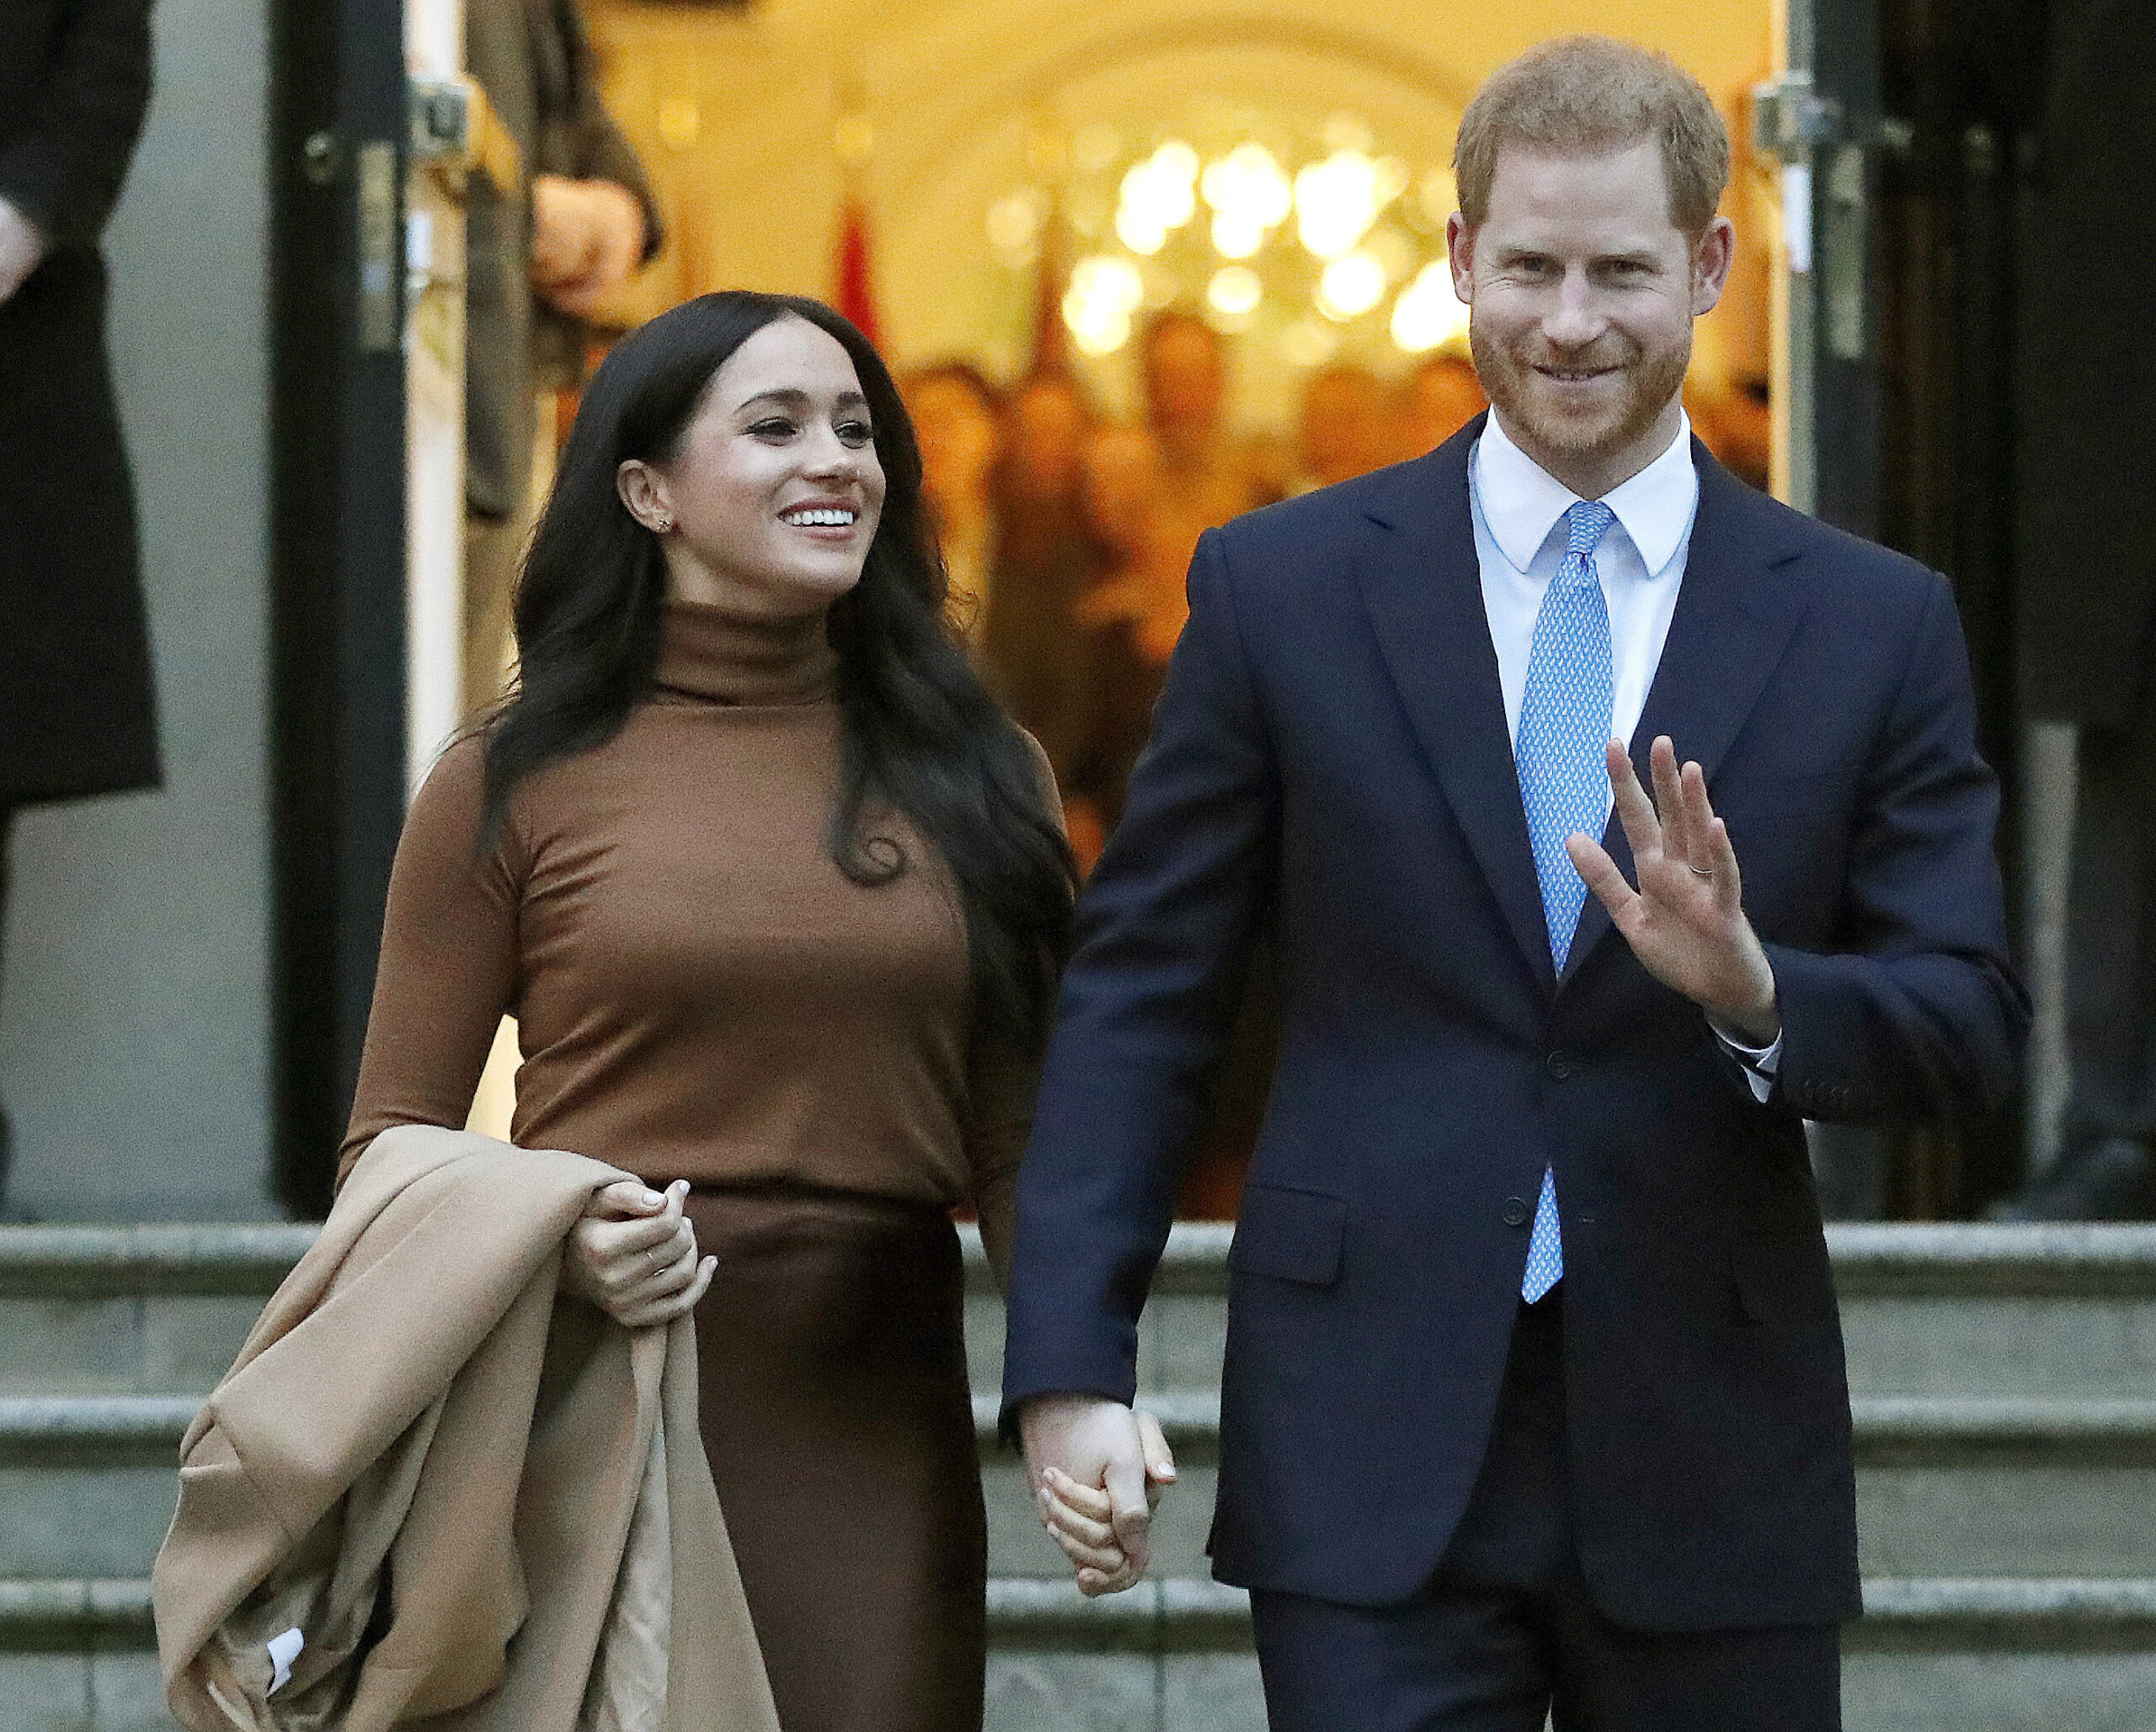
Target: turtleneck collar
(709, 653)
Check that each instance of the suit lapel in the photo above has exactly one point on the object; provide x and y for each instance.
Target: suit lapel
(1733, 620)
(1423, 590)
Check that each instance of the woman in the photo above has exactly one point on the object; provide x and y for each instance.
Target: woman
(778, 897)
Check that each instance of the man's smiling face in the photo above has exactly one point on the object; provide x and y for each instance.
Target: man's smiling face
(1581, 290)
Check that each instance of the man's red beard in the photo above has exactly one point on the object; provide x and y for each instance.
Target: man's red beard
(1650, 380)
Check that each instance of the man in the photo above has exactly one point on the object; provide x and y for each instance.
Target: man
(1534, 1397)
(539, 258)
(77, 702)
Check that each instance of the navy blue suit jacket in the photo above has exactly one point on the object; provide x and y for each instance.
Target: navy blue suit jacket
(1330, 758)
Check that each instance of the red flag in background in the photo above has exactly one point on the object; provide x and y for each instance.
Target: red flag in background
(856, 295)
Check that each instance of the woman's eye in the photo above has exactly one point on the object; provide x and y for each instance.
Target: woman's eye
(775, 429)
(856, 433)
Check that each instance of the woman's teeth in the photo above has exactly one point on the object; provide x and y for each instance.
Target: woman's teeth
(817, 518)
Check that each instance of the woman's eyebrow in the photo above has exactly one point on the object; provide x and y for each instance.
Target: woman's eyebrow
(794, 398)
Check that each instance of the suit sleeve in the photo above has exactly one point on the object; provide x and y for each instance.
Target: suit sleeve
(1917, 1014)
(1165, 932)
(64, 172)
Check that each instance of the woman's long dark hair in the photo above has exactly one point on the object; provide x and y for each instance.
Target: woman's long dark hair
(921, 735)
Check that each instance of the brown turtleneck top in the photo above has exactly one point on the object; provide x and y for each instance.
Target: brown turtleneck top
(699, 992)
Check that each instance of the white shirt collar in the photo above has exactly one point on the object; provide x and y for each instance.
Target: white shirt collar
(1521, 501)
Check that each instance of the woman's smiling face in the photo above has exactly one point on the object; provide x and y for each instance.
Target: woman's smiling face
(770, 504)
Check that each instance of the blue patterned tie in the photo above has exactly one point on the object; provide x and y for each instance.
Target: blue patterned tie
(1564, 783)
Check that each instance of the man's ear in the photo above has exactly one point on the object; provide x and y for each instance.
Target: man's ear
(643, 491)
(1710, 262)
(1460, 253)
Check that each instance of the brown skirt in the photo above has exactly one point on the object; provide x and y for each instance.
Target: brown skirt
(840, 1427)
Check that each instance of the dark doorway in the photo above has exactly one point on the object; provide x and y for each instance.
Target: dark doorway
(1921, 215)
(337, 634)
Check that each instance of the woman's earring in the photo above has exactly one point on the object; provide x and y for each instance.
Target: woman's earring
(664, 526)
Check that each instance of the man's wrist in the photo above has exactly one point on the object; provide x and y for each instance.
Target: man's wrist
(1752, 1028)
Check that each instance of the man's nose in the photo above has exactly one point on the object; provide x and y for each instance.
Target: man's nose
(1577, 317)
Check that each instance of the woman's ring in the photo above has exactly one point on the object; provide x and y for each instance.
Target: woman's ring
(1703, 871)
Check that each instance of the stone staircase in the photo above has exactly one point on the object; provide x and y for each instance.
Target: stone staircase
(2006, 1436)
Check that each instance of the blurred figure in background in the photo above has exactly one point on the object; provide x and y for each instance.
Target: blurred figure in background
(1128, 625)
(1130, 621)
(1046, 557)
(1440, 395)
(538, 261)
(1185, 375)
(958, 416)
(1343, 429)
(77, 704)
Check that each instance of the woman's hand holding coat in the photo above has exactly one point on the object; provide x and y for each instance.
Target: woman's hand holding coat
(634, 1255)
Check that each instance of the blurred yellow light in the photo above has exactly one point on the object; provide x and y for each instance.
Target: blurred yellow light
(1100, 336)
(1235, 290)
(1249, 185)
(1234, 237)
(1428, 313)
(1336, 202)
(1136, 232)
(1351, 286)
(1157, 196)
(1178, 159)
(1097, 307)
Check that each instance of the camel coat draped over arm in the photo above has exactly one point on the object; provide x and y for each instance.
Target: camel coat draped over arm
(433, 1490)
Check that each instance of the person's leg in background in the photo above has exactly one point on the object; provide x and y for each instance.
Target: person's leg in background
(2107, 1168)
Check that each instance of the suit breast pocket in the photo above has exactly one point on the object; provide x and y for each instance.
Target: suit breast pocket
(1290, 1235)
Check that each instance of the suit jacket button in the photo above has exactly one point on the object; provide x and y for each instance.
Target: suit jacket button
(1559, 1064)
(1515, 1211)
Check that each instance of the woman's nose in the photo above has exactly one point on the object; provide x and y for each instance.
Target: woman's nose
(829, 454)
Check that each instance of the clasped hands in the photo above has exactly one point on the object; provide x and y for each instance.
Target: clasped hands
(1097, 1470)
(634, 1255)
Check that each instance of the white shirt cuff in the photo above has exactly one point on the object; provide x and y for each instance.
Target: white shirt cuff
(1762, 1064)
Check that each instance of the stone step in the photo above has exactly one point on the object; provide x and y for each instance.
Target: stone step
(113, 1309)
(2059, 1312)
(1945, 1487)
(1173, 1655)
